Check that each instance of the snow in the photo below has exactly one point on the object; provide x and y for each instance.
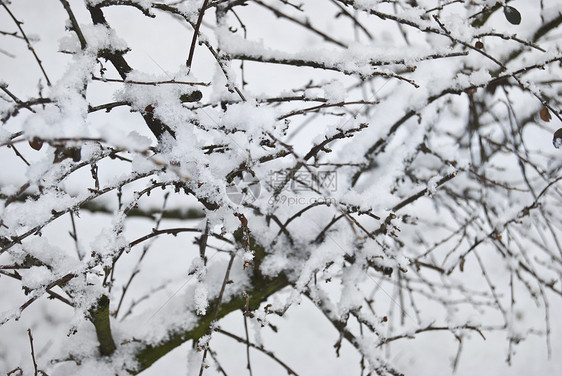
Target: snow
(416, 276)
(20, 217)
(335, 92)
(36, 277)
(4, 135)
(201, 299)
(432, 185)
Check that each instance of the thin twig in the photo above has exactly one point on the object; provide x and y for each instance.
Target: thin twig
(306, 24)
(245, 315)
(289, 370)
(203, 242)
(15, 98)
(151, 83)
(29, 45)
(13, 147)
(12, 34)
(74, 235)
(35, 369)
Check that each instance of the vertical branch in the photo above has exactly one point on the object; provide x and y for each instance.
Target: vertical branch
(401, 297)
(100, 318)
(215, 315)
(245, 314)
(74, 235)
(249, 365)
(511, 313)
(362, 362)
(203, 242)
(391, 316)
(242, 74)
(35, 369)
(458, 355)
(401, 28)
(491, 287)
(195, 33)
(94, 172)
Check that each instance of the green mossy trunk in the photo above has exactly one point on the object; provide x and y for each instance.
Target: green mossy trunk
(262, 288)
(100, 318)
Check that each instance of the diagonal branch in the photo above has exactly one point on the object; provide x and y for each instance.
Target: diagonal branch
(29, 45)
(75, 25)
(157, 127)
